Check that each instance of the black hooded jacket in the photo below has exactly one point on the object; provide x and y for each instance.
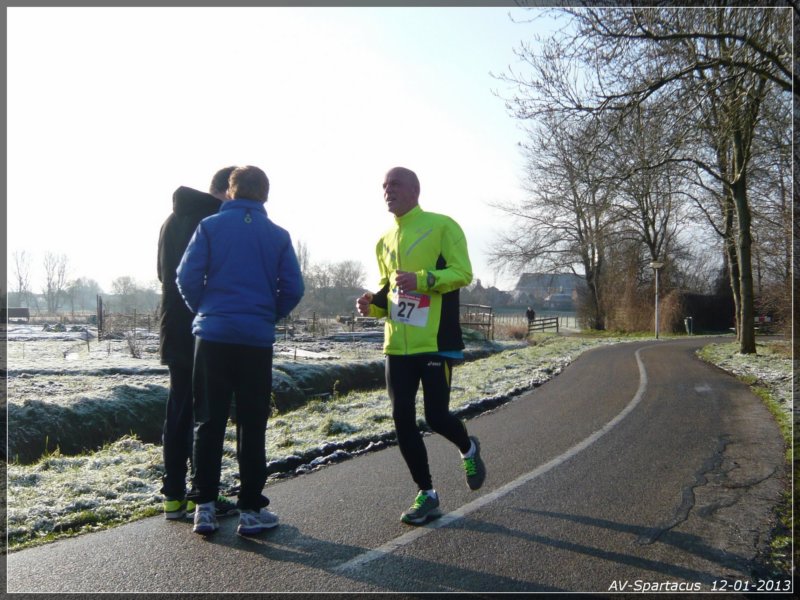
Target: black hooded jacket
(189, 207)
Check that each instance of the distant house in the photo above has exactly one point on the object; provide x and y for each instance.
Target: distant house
(489, 296)
(560, 301)
(558, 291)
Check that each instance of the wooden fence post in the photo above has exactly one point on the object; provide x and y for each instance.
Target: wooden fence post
(99, 317)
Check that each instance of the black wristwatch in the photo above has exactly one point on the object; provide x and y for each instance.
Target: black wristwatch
(431, 280)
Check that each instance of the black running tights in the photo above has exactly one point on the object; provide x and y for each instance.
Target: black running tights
(403, 376)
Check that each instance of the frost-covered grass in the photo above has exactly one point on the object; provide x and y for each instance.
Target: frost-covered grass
(70, 388)
(62, 495)
(30, 348)
(770, 369)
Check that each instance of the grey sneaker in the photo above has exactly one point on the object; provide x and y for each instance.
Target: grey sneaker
(205, 522)
(474, 468)
(252, 521)
(425, 507)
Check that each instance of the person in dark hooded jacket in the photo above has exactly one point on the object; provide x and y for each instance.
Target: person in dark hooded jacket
(176, 345)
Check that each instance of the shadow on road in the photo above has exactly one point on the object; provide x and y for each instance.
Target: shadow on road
(391, 573)
(691, 544)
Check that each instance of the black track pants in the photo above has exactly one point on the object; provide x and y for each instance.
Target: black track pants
(177, 434)
(220, 372)
(403, 376)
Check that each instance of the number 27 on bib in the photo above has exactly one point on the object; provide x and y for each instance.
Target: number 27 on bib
(411, 309)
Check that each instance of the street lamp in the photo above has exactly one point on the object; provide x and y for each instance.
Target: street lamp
(656, 265)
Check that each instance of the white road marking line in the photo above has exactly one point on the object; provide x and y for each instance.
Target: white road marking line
(702, 389)
(478, 503)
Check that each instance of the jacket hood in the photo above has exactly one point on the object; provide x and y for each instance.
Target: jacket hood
(188, 201)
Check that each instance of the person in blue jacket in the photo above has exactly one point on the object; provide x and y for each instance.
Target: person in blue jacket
(240, 276)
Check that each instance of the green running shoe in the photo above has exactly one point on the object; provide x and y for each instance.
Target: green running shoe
(474, 467)
(224, 507)
(425, 507)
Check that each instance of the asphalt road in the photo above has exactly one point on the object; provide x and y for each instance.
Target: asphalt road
(639, 468)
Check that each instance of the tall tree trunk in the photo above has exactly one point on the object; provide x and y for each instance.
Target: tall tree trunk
(732, 260)
(733, 276)
(593, 304)
(744, 243)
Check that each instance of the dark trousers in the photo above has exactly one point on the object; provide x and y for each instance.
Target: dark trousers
(221, 371)
(403, 376)
(178, 432)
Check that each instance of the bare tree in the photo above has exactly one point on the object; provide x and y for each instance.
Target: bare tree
(55, 273)
(649, 187)
(770, 186)
(712, 69)
(125, 288)
(566, 219)
(331, 288)
(303, 257)
(348, 274)
(22, 276)
(82, 293)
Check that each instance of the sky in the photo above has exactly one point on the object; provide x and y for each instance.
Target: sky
(111, 109)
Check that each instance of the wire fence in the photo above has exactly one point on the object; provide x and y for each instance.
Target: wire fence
(564, 321)
(484, 320)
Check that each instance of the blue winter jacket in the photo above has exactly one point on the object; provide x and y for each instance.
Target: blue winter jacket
(240, 275)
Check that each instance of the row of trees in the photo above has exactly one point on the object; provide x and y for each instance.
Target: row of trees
(331, 288)
(60, 294)
(52, 291)
(658, 135)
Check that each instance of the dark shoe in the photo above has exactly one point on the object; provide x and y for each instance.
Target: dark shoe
(225, 507)
(425, 507)
(474, 467)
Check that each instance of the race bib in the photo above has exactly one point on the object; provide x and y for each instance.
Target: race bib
(410, 308)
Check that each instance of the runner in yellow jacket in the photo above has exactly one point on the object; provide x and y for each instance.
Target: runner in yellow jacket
(423, 261)
(433, 248)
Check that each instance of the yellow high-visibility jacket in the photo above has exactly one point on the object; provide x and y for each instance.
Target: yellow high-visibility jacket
(433, 247)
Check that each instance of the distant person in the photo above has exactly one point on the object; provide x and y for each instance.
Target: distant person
(423, 261)
(530, 314)
(189, 207)
(240, 276)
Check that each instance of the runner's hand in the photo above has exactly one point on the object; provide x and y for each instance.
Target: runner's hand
(362, 304)
(407, 282)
